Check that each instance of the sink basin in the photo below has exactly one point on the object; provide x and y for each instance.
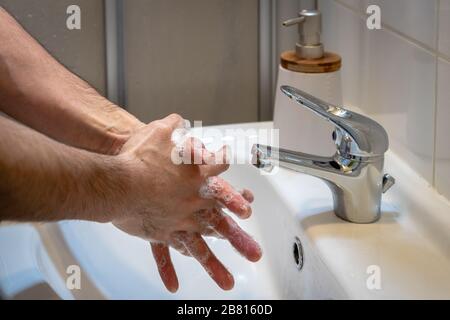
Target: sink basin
(309, 253)
(122, 267)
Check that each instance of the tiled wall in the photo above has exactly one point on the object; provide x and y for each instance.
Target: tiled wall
(81, 51)
(399, 75)
(197, 58)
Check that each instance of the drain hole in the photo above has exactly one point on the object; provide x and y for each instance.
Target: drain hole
(298, 253)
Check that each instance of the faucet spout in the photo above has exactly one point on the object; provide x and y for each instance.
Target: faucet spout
(266, 157)
(356, 186)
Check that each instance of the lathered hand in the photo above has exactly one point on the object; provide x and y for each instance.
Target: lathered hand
(175, 205)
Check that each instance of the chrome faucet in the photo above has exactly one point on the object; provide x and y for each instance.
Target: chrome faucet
(354, 173)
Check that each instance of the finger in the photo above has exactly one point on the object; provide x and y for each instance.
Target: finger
(175, 121)
(248, 195)
(218, 157)
(188, 150)
(193, 151)
(198, 249)
(217, 188)
(215, 162)
(180, 248)
(227, 228)
(165, 267)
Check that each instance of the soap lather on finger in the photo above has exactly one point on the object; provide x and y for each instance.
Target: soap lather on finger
(220, 190)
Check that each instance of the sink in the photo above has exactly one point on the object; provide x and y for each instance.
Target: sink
(309, 253)
(122, 267)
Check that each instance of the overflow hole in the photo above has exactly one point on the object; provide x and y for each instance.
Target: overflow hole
(298, 253)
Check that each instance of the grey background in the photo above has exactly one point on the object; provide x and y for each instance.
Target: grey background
(200, 58)
(82, 51)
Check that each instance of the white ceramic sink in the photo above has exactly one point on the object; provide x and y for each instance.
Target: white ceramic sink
(409, 247)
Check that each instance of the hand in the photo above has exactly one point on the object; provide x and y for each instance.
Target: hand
(164, 206)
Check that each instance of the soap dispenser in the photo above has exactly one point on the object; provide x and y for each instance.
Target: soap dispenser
(316, 72)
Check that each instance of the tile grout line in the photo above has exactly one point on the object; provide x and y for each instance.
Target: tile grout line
(397, 33)
(436, 92)
(437, 55)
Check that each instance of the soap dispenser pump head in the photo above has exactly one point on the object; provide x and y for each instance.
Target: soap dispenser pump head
(309, 24)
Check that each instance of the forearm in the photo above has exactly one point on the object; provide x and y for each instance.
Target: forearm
(37, 90)
(44, 180)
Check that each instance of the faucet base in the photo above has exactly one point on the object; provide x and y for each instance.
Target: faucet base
(343, 217)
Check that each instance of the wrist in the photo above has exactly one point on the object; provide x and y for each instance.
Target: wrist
(110, 182)
(110, 125)
(118, 139)
(121, 203)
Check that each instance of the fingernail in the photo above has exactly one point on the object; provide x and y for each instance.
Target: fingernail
(173, 290)
(246, 210)
(258, 254)
(229, 284)
(248, 195)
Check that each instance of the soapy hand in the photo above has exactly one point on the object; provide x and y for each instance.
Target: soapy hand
(176, 205)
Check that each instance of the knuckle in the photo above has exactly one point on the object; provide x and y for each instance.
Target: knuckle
(174, 116)
(162, 127)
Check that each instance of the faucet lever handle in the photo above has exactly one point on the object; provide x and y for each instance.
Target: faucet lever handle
(356, 135)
